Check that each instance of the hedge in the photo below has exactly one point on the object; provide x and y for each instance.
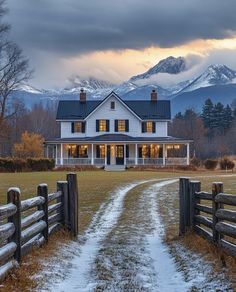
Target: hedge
(30, 164)
(226, 163)
(210, 164)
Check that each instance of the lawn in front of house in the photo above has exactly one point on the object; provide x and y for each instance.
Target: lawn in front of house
(94, 186)
(94, 189)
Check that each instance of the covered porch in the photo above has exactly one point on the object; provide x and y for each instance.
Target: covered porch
(119, 153)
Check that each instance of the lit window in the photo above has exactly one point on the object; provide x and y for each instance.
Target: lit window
(102, 126)
(112, 105)
(102, 151)
(77, 151)
(121, 125)
(78, 127)
(83, 151)
(149, 127)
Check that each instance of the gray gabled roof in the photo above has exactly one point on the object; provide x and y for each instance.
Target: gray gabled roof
(145, 109)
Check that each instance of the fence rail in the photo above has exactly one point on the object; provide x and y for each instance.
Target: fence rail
(209, 219)
(26, 224)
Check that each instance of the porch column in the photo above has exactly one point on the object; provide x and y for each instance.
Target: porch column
(124, 154)
(136, 154)
(92, 158)
(56, 155)
(188, 162)
(105, 154)
(164, 154)
(61, 154)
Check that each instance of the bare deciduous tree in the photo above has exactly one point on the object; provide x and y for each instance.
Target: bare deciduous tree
(13, 69)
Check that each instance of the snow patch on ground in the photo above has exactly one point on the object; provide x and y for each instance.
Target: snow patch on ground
(79, 276)
(168, 277)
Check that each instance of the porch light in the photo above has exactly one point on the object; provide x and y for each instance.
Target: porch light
(176, 146)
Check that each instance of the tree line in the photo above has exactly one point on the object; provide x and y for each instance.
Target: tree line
(213, 130)
(15, 118)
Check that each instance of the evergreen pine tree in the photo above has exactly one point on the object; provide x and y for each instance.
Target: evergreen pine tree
(218, 117)
(207, 113)
(179, 116)
(228, 117)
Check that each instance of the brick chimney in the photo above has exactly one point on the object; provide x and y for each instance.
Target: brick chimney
(82, 95)
(153, 95)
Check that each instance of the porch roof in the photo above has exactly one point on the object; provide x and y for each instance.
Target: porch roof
(118, 138)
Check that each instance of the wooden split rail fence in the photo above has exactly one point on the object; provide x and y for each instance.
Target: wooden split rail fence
(210, 215)
(25, 224)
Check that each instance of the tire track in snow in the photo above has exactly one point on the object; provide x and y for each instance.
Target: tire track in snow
(79, 278)
(168, 277)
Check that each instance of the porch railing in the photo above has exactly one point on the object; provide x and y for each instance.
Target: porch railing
(129, 161)
(74, 161)
(176, 161)
(150, 161)
(99, 161)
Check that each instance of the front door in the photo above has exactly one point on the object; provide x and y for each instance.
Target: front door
(119, 154)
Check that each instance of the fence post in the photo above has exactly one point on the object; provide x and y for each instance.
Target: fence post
(73, 202)
(194, 186)
(42, 191)
(63, 187)
(184, 204)
(217, 188)
(13, 196)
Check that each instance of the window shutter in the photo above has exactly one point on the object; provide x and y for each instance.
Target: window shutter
(107, 126)
(97, 125)
(83, 127)
(144, 127)
(126, 125)
(97, 151)
(153, 127)
(127, 151)
(72, 127)
(116, 125)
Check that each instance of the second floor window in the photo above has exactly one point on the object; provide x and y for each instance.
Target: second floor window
(102, 125)
(121, 125)
(78, 127)
(148, 127)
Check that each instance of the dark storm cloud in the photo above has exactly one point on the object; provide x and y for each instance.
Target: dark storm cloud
(71, 27)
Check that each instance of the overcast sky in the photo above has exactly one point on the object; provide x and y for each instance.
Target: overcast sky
(113, 40)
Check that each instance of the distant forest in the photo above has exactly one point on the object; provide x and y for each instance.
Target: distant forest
(213, 130)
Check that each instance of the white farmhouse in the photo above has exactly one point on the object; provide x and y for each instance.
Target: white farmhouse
(113, 132)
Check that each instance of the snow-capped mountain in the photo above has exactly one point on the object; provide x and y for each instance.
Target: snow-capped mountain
(217, 74)
(217, 81)
(89, 84)
(170, 65)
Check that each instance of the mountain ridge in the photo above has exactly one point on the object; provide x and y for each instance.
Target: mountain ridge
(204, 84)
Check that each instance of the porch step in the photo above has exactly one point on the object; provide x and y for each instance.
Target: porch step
(114, 168)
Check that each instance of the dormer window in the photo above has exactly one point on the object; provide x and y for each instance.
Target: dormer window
(113, 105)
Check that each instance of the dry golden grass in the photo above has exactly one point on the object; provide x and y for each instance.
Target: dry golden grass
(216, 256)
(94, 189)
(22, 278)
